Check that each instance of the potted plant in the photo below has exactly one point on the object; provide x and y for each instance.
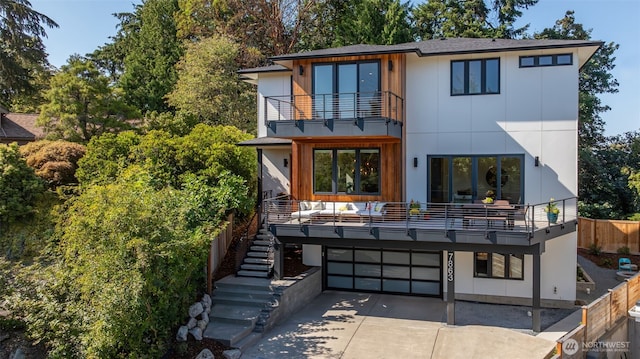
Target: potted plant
(414, 208)
(489, 196)
(552, 211)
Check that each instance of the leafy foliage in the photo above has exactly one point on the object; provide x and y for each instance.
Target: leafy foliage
(81, 104)
(208, 87)
(54, 161)
(19, 186)
(22, 50)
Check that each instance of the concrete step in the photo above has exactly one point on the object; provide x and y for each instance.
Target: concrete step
(231, 281)
(235, 314)
(259, 242)
(260, 248)
(266, 236)
(243, 293)
(248, 341)
(250, 273)
(258, 254)
(240, 301)
(227, 333)
(252, 260)
(256, 267)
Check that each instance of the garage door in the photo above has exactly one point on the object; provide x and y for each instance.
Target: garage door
(384, 270)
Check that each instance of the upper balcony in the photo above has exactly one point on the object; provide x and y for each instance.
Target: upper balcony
(370, 114)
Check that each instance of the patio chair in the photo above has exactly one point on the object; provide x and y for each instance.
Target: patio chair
(624, 264)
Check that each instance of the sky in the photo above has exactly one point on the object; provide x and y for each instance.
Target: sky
(87, 24)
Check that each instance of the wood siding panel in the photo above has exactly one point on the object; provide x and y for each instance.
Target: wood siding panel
(390, 79)
(619, 306)
(390, 170)
(598, 317)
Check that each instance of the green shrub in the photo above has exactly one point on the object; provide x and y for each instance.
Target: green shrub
(19, 186)
(624, 250)
(634, 217)
(594, 249)
(606, 262)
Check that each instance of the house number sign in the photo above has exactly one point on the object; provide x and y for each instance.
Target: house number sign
(450, 266)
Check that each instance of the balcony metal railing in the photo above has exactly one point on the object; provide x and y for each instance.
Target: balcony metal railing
(384, 104)
(443, 216)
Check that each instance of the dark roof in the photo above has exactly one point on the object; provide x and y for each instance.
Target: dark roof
(266, 141)
(446, 46)
(19, 127)
(272, 68)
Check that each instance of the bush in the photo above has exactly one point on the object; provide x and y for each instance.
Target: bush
(19, 185)
(54, 161)
(606, 262)
(594, 249)
(624, 250)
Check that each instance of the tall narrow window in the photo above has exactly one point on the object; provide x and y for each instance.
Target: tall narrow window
(369, 171)
(322, 171)
(475, 77)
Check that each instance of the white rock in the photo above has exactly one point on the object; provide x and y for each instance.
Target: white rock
(205, 354)
(192, 323)
(206, 300)
(196, 332)
(202, 325)
(182, 334)
(232, 354)
(195, 310)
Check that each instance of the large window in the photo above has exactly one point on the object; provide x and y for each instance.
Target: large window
(351, 171)
(346, 90)
(469, 178)
(475, 77)
(498, 265)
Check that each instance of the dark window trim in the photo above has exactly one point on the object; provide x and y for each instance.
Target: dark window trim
(334, 72)
(554, 60)
(334, 170)
(490, 266)
(483, 77)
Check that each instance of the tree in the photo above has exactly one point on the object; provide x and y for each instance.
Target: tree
(208, 87)
(474, 18)
(594, 154)
(81, 104)
(380, 22)
(21, 48)
(152, 50)
(19, 185)
(55, 162)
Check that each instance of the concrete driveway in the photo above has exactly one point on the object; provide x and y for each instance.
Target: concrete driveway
(362, 325)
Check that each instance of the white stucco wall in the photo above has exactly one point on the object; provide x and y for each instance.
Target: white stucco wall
(275, 176)
(312, 255)
(535, 114)
(558, 270)
(270, 84)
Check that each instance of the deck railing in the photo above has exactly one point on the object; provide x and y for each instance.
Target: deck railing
(358, 105)
(526, 218)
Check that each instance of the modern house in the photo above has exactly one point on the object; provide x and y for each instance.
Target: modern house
(427, 168)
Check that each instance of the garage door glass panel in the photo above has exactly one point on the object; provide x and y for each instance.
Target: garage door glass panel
(430, 288)
(340, 268)
(339, 282)
(396, 272)
(372, 284)
(369, 270)
(390, 285)
(426, 273)
(367, 256)
(396, 257)
(339, 254)
(425, 259)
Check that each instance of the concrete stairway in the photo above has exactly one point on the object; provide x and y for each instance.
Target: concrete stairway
(241, 306)
(259, 259)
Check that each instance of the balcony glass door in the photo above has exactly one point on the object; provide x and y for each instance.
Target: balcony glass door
(346, 90)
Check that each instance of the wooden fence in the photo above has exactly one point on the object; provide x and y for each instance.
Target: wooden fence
(609, 235)
(219, 246)
(601, 315)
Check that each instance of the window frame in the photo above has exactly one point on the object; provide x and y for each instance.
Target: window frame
(483, 77)
(507, 266)
(554, 60)
(357, 165)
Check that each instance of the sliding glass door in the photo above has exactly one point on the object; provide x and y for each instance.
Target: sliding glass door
(464, 179)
